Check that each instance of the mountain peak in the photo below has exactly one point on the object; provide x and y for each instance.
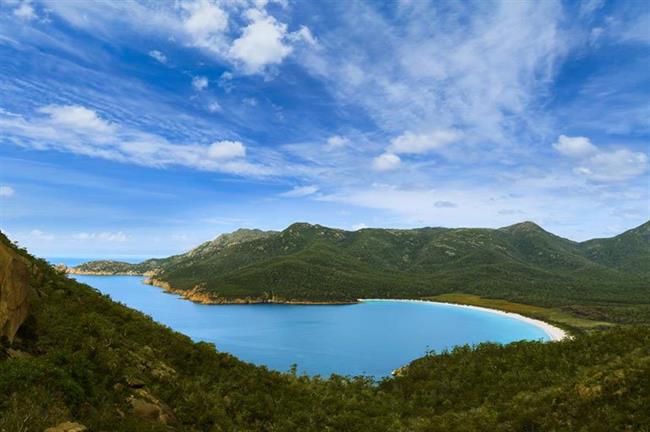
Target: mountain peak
(524, 226)
(300, 226)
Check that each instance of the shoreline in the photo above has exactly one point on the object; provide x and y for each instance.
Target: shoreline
(554, 333)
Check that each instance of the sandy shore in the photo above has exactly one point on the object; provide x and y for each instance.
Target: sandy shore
(554, 333)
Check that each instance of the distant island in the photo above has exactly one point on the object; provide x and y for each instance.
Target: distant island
(308, 263)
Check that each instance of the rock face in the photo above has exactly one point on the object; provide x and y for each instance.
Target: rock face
(14, 292)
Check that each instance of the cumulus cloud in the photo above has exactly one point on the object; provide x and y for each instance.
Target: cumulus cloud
(386, 162)
(159, 56)
(6, 191)
(300, 191)
(25, 11)
(336, 142)
(575, 146)
(602, 165)
(205, 23)
(76, 117)
(200, 83)
(265, 41)
(261, 43)
(223, 150)
(214, 106)
(411, 143)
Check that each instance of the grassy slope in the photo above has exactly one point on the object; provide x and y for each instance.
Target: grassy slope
(83, 348)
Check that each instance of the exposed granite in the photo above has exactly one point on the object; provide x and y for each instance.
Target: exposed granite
(199, 295)
(15, 278)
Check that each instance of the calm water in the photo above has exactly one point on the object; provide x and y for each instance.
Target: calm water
(370, 338)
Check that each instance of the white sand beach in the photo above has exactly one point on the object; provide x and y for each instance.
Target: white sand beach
(554, 333)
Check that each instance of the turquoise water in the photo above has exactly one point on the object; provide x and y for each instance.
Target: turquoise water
(370, 338)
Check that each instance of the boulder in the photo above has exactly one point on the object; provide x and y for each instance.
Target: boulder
(145, 406)
(67, 427)
(15, 353)
(135, 383)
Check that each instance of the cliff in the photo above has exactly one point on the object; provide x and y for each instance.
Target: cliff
(15, 288)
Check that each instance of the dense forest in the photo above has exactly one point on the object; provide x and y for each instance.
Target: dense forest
(81, 357)
(597, 279)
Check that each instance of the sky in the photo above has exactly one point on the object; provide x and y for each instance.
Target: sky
(145, 128)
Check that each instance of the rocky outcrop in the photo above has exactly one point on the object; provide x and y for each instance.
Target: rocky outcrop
(67, 427)
(145, 406)
(14, 292)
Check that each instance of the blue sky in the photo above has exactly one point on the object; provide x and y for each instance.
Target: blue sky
(145, 128)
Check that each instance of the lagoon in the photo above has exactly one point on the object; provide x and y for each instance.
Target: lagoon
(369, 338)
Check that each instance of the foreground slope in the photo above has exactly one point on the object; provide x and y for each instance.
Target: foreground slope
(80, 357)
(313, 263)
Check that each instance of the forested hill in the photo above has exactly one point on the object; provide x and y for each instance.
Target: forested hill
(304, 262)
(79, 360)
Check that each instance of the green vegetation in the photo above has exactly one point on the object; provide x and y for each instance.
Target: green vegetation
(82, 357)
(552, 315)
(521, 263)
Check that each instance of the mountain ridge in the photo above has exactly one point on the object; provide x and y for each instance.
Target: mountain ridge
(313, 263)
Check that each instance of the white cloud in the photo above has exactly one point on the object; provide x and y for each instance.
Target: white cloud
(6, 191)
(205, 22)
(617, 165)
(602, 165)
(303, 34)
(102, 236)
(587, 7)
(214, 107)
(412, 143)
(300, 191)
(336, 142)
(79, 130)
(225, 81)
(159, 56)
(200, 83)
(214, 26)
(386, 162)
(359, 226)
(575, 146)
(37, 234)
(223, 150)
(483, 76)
(76, 117)
(261, 43)
(25, 11)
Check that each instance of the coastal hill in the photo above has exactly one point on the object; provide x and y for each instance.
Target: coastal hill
(75, 360)
(313, 263)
